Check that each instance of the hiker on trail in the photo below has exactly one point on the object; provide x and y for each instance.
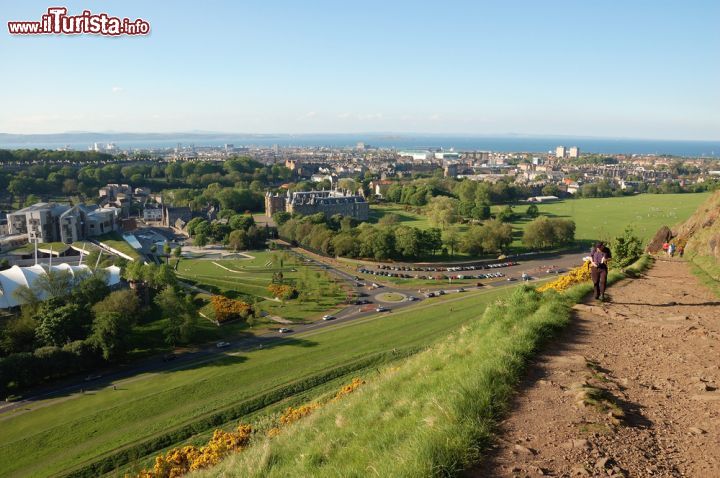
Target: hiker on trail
(671, 249)
(681, 251)
(599, 269)
(666, 247)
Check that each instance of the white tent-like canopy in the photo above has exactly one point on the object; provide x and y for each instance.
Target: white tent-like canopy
(15, 277)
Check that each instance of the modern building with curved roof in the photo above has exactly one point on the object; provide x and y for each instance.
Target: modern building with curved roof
(16, 277)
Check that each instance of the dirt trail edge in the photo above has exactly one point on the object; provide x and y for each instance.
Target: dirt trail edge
(630, 389)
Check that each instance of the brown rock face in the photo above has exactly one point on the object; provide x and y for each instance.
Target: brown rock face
(663, 235)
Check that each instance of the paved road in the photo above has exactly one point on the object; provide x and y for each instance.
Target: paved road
(536, 268)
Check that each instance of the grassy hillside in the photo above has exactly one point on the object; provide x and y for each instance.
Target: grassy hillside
(428, 417)
(49, 437)
(701, 236)
(432, 415)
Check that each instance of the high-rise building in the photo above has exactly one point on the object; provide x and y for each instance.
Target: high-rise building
(574, 152)
(560, 152)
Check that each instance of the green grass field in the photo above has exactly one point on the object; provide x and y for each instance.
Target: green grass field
(595, 218)
(51, 436)
(606, 218)
(249, 278)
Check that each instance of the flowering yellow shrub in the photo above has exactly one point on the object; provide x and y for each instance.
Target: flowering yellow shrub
(347, 389)
(291, 414)
(179, 461)
(227, 309)
(574, 276)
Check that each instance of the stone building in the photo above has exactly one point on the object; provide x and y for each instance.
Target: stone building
(311, 202)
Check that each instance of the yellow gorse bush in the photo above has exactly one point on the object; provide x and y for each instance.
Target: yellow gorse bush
(179, 461)
(574, 276)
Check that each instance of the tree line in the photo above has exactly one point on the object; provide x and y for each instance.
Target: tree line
(83, 325)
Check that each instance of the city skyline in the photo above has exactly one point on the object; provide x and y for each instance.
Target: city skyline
(645, 70)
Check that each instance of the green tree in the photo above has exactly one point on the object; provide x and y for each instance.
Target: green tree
(201, 240)
(626, 248)
(442, 211)
(532, 211)
(179, 312)
(60, 323)
(507, 214)
(545, 232)
(451, 238)
(124, 301)
(238, 240)
(408, 241)
(111, 334)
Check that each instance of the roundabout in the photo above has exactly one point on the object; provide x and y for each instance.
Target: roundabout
(390, 297)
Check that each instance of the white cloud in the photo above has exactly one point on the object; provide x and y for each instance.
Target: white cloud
(117, 89)
(370, 116)
(343, 115)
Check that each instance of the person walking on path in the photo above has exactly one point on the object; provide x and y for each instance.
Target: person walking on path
(671, 249)
(599, 269)
(681, 251)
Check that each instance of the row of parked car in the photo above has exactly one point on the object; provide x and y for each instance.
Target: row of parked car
(440, 276)
(388, 267)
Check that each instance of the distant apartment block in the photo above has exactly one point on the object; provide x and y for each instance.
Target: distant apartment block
(312, 202)
(52, 222)
(563, 152)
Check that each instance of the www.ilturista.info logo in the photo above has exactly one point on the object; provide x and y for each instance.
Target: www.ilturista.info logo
(58, 22)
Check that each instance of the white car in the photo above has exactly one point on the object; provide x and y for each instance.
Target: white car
(222, 345)
(329, 317)
(382, 309)
(284, 330)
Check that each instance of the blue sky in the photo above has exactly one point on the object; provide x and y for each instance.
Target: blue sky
(644, 69)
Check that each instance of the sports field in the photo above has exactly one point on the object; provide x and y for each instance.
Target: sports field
(248, 279)
(53, 436)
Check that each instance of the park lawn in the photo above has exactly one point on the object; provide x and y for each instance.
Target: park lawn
(606, 218)
(595, 218)
(51, 436)
(249, 278)
(410, 217)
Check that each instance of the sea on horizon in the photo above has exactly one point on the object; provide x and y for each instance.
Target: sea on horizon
(395, 141)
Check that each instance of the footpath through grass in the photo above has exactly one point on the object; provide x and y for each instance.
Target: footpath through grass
(57, 435)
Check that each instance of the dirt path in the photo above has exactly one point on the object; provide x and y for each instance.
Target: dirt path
(629, 390)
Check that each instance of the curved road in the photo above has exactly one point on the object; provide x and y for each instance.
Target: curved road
(103, 379)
